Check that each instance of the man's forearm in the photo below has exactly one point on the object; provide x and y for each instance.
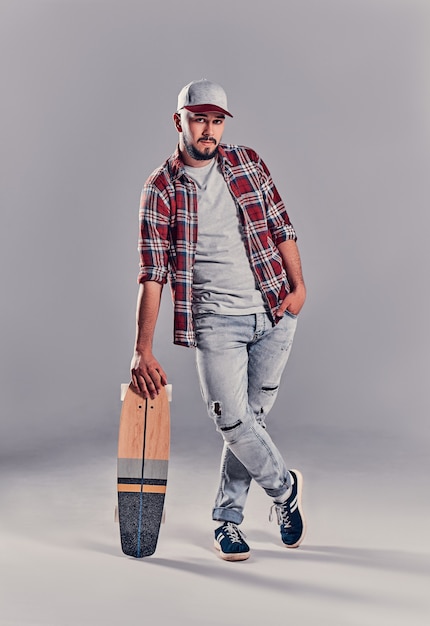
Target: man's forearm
(292, 263)
(147, 375)
(148, 305)
(293, 268)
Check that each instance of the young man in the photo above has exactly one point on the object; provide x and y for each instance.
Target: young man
(213, 223)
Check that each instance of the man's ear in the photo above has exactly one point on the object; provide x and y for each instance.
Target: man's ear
(177, 122)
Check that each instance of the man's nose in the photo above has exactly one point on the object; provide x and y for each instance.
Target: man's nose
(208, 129)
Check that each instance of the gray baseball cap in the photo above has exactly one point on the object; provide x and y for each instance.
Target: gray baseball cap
(203, 95)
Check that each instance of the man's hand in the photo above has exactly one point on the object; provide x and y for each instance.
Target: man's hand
(294, 302)
(147, 375)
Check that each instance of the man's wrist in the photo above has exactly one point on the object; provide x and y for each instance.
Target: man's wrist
(299, 287)
(143, 348)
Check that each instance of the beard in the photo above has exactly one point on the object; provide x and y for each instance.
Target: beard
(199, 155)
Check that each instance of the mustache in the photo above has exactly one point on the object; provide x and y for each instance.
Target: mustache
(207, 139)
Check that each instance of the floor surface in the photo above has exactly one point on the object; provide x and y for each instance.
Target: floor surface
(364, 561)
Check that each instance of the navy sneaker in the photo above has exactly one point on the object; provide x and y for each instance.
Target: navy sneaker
(290, 516)
(230, 541)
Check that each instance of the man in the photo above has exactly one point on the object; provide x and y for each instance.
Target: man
(213, 223)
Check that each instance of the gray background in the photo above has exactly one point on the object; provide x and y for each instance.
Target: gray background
(335, 97)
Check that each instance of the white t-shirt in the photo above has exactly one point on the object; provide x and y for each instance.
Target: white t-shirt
(223, 279)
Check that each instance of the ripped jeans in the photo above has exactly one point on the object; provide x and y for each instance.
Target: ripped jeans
(240, 360)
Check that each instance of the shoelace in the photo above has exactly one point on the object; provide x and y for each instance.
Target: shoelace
(282, 514)
(234, 534)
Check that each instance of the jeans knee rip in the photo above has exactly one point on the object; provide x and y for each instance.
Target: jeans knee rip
(225, 429)
(216, 408)
(270, 389)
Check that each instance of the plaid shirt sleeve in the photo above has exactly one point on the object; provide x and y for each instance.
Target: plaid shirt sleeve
(153, 243)
(278, 220)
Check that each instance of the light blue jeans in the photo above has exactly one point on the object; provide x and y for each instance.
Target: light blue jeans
(240, 360)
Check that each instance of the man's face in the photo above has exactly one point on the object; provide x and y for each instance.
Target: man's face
(200, 135)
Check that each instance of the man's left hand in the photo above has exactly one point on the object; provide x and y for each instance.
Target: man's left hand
(294, 302)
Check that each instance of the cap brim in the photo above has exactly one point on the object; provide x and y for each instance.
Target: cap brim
(203, 108)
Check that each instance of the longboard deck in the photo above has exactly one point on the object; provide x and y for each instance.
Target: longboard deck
(143, 456)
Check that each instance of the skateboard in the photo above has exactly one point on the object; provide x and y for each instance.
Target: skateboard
(143, 456)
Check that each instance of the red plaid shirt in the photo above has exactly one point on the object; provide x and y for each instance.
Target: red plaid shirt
(168, 230)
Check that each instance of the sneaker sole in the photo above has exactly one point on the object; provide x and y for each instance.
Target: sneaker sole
(299, 506)
(233, 556)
